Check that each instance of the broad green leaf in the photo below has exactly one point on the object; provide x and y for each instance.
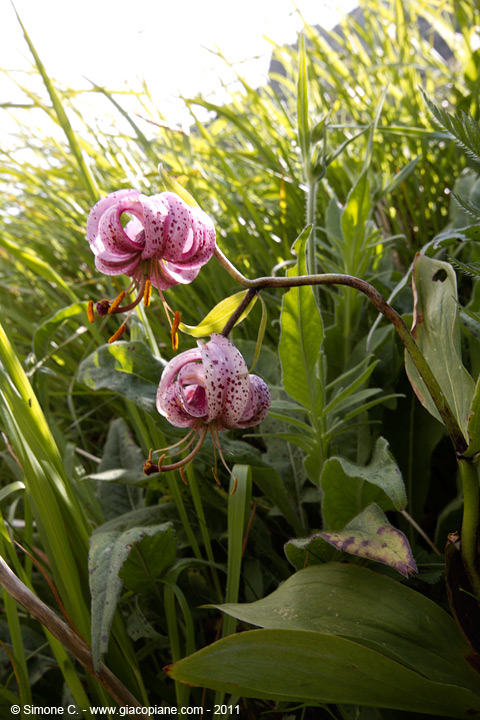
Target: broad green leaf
(218, 317)
(371, 536)
(120, 453)
(148, 560)
(301, 337)
(300, 665)
(109, 550)
(372, 609)
(437, 333)
(127, 368)
(349, 488)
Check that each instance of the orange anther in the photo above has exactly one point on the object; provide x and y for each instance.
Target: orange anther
(147, 293)
(174, 331)
(118, 334)
(116, 303)
(90, 313)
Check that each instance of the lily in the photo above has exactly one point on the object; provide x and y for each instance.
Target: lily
(208, 389)
(164, 242)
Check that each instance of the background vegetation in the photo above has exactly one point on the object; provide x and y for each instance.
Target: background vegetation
(77, 422)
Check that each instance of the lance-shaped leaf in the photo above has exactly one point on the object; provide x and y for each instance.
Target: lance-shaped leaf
(300, 665)
(349, 488)
(301, 338)
(109, 551)
(127, 368)
(371, 609)
(217, 318)
(371, 536)
(437, 333)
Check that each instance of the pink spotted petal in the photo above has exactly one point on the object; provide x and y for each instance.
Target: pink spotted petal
(111, 231)
(104, 204)
(129, 266)
(170, 373)
(171, 409)
(178, 227)
(203, 244)
(258, 403)
(155, 213)
(226, 380)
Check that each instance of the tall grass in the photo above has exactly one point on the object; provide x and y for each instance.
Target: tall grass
(367, 119)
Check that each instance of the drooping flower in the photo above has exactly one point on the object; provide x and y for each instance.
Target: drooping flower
(163, 243)
(209, 389)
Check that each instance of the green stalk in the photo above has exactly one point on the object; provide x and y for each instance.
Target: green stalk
(177, 496)
(197, 502)
(311, 217)
(470, 522)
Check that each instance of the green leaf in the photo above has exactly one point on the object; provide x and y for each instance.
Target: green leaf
(120, 454)
(303, 552)
(217, 318)
(354, 220)
(374, 610)
(371, 536)
(127, 368)
(437, 333)
(301, 337)
(300, 665)
(109, 550)
(462, 127)
(349, 488)
(148, 560)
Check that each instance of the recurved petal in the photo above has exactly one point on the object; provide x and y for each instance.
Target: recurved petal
(104, 204)
(258, 403)
(203, 239)
(171, 371)
(155, 212)
(226, 380)
(112, 232)
(178, 227)
(172, 410)
(129, 266)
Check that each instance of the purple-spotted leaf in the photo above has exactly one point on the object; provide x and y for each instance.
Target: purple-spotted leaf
(437, 333)
(371, 536)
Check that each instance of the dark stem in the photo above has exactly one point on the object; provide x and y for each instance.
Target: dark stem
(383, 307)
(249, 296)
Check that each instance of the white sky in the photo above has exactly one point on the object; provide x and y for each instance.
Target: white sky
(116, 43)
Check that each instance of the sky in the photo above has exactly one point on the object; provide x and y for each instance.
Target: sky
(117, 43)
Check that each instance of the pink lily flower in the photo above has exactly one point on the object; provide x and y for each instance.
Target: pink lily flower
(209, 389)
(165, 242)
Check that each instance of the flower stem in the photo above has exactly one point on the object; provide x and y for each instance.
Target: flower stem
(382, 306)
(470, 522)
